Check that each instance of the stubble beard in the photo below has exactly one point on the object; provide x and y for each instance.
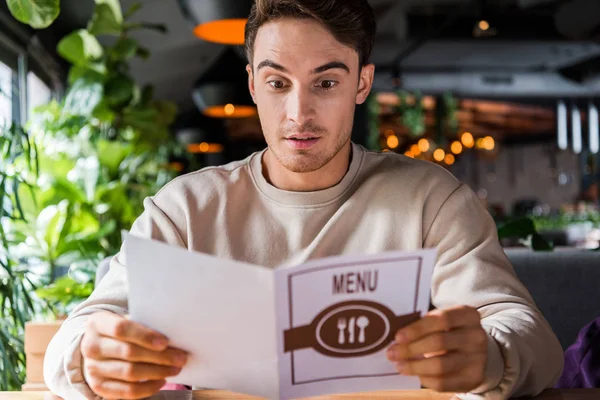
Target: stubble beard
(305, 161)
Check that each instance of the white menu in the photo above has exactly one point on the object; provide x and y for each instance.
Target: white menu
(322, 327)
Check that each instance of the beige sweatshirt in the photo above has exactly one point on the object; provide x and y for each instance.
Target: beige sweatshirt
(385, 202)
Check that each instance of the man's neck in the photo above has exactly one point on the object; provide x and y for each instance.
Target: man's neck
(327, 176)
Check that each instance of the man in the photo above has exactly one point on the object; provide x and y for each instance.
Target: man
(312, 193)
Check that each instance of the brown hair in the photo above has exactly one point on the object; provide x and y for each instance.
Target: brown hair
(351, 22)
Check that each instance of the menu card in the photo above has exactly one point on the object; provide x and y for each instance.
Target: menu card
(322, 327)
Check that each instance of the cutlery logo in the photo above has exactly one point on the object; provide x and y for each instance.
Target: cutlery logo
(348, 329)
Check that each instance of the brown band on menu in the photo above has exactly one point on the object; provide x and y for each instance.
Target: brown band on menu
(298, 338)
(345, 335)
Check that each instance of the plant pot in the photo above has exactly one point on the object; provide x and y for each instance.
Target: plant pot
(37, 338)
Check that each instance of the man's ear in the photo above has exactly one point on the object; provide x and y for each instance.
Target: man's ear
(365, 83)
(251, 82)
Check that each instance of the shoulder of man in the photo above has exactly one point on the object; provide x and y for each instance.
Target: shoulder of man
(422, 178)
(204, 183)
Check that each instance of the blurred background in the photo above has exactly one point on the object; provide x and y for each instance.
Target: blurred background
(103, 102)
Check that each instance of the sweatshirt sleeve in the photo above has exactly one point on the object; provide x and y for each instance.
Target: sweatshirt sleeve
(524, 355)
(63, 360)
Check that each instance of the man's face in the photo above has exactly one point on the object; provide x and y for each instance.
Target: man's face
(306, 85)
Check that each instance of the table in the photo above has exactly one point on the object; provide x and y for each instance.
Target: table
(569, 394)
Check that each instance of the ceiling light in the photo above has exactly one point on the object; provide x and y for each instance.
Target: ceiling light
(593, 128)
(561, 119)
(222, 92)
(218, 21)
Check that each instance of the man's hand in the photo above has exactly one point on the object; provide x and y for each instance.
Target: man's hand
(446, 349)
(125, 360)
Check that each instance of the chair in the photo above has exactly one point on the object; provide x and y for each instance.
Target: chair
(564, 285)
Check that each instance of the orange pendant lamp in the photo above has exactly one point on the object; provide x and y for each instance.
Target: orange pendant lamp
(218, 21)
(222, 91)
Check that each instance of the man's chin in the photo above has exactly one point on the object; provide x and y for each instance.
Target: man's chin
(301, 161)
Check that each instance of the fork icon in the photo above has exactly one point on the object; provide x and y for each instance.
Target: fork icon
(341, 325)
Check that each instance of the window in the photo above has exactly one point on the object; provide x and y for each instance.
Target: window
(6, 106)
(38, 93)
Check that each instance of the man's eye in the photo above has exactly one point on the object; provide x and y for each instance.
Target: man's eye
(277, 84)
(327, 84)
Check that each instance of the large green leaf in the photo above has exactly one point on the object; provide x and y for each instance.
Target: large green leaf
(124, 49)
(83, 97)
(80, 48)
(92, 70)
(107, 18)
(119, 90)
(55, 165)
(111, 154)
(104, 113)
(50, 224)
(38, 14)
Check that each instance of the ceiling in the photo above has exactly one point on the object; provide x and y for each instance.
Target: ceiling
(530, 56)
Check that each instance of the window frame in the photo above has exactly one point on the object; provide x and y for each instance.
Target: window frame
(21, 51)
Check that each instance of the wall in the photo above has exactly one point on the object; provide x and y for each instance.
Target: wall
(519, 172)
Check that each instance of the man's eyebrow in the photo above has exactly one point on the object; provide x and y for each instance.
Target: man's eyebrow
(331, 65)
(318, 70)
(271, 64)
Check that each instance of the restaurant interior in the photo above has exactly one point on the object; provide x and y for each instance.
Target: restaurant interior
(100, 108)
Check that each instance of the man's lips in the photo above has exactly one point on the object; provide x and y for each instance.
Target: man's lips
(302, 142)
(302, 137)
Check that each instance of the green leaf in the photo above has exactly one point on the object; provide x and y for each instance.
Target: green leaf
(65, 291)
(119, 90)
(107, 18)
(50, 224)
(538, 243)
(161, 28)
(38, 14)
(519, 228)
(80, 48)
(83, 97)
(111, 154)
(104, 113)
(125, 48)
(143, 53)
(92, 71)
(135, 7)
(167, 112)
(147, 95)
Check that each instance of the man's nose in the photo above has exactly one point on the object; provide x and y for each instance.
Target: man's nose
(300, 107)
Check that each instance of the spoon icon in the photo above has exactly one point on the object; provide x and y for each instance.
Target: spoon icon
(362, 322)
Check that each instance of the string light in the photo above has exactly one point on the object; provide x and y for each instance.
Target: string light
(415, 150)
(456, 147)
(424, 145)
(393, 141)
(484, 25)
(409, 154)
(449, 159)
(467, 140)
(439, 155)
(488, 143)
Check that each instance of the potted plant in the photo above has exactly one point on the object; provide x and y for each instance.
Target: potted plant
(93, 157)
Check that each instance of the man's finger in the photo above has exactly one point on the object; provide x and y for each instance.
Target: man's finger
(120, 328)
(447, 364)
(129, 372)
(439, 321)
(466, 340)
(110, 389)
(104, 348)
